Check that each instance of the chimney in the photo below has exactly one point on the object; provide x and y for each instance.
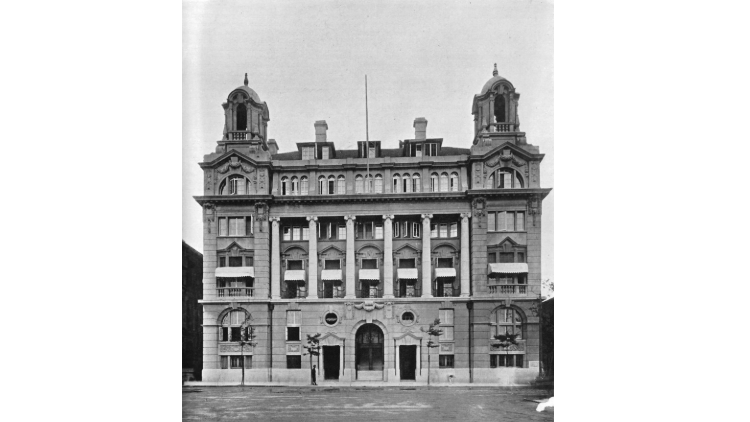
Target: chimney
(273, 147)
(320, 130)
(420, 128)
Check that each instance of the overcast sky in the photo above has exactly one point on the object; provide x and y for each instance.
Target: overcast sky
(308, 60)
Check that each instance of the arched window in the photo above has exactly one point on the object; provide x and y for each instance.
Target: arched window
(416, 183)
(322, 185)
(284, 188)
(491, 181)
(396, 183)
(406, 183)
(304, 185)
(331, 185)
(378, 183)
(241, 117)
(500, 108)
(444, 182)
(434, 184)
(359, 186)
(234, 185)
(454, 182)
(294, 186)
(508, 178)
(507, 321)
(341, 187)
(232, 325)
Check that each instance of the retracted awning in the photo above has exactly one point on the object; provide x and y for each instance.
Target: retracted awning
(407, 273)
(445, 272)
(369, 274)
(294, 275)
(235, 272)
(509, 268)
(331, 275)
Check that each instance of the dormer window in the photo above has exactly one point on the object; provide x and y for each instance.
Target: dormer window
(308, 153)
(371, 152)
(430, 150)
(500, 109)
(241, 117)
(324, 153)
(416, 150)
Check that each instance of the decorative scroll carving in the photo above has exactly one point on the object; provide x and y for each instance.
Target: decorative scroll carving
(209, 209)
(367, 306)
(235, 348)
(533, 207)
(209, 183)
(234, 163)
(479, 181)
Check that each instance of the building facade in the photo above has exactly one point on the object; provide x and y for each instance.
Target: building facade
(306, 242)
(192, 313)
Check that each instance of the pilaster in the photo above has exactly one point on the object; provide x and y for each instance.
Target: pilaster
(426, 256)
(388, 259)
(350, 291)
(312, 273)
(275, 259)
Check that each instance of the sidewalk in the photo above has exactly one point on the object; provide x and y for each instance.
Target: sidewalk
(360, 384)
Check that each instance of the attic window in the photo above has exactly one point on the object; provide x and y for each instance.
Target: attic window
(241, 117)
(324, 153)
(430, 150)
(500, 109)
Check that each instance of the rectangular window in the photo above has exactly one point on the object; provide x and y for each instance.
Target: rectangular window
(293, 362)
(292, 317)
(368, 230)
(407, 263)
(235, 261)
(325, 152)
(519, 222)
(396, 229)
(405, 229)
(491, 257)
(417, 150)
(369, 264)
(506, 257)
(491, 222)
(235, 362)
(446, 361)
(342, 232)
(305, 233)
(445, 263)
(333, 264)
(296, 234)
(235, 333)
(308, 153)
(371, 152)
(521, 257)
(331, 186)
(292, 333)
(443, 230)
(341, 186)
(225, 362)
(454, 230)
(433, 230)
(287, 233)
(222, 261)
(501, 220)
(447, 333)
(294, 264)
(224, 333)
(416, 230)
(378, 231)
(510, 221)
(248, 261)
(223, 227)
(446, 317)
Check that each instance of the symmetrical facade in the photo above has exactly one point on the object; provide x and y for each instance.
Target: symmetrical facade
(308, 242)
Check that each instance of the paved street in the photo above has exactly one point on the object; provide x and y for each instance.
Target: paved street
(330, 404)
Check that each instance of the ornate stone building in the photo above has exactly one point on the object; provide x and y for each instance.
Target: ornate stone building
(307, 242)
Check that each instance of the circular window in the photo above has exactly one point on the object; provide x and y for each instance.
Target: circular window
(407, 318)
(331, 319)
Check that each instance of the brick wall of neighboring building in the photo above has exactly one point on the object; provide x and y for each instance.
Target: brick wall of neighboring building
(192, 312)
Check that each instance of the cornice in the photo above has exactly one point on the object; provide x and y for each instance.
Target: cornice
(508, 192)
(228, 154)
(218, 199)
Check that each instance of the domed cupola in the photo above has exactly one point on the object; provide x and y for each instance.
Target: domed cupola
(495, 108)
(245, 115)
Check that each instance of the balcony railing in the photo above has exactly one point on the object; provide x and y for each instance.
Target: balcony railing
(235, 291)
(373, 292)
(508, 289)
(239, 135)
(502, 127)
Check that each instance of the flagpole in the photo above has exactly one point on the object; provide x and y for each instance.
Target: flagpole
(367, 138)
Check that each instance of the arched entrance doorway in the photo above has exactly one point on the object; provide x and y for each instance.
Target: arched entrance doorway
(369, 352)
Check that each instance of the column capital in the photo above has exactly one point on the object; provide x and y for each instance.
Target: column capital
(465, 215)
(274, 219)
(312, 218)
(388, 217)
(426, 216)
(350, 217)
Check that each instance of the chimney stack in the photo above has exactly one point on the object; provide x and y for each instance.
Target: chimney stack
(320, 130)
(420, 128)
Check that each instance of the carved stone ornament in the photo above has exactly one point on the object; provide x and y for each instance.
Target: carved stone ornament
(479, 205)
(210, 211)
(368, 306)
(209, 183)
(234, 163)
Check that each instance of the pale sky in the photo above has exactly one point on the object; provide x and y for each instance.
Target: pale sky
(308, 60)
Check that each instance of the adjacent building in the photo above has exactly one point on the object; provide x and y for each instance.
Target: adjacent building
(307, 241)
(192, 313)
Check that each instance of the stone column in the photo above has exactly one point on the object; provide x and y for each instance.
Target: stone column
(465, 254)
(388, 261)
(426, 257)
(312, 270)
(350, 291)
(275, 259)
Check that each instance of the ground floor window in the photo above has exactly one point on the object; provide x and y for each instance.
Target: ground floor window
(292, 333)
(446, 361)
(235, 362)
(497, 361)
(293, 362)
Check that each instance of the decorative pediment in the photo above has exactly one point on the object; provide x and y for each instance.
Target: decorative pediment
(332, 250)
(234, 247)
(408, 334)
(331, 339)
(226, 158)
(369, 251)
(514, 152)
(235, 162)
(406, 249)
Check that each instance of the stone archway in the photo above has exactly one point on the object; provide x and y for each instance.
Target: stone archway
(369, 352)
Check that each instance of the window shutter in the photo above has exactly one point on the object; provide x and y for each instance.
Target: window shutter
(491, 222)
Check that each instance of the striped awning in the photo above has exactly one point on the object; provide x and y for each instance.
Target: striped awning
(330, 275)
(294, 275)
(508, 268)
(369, 274)
(407, 274)
(445, 272)
(235, 272)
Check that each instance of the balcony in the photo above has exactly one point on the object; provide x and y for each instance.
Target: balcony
(502, 127)
(508, 289)
(239, 135)
(235, 291)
